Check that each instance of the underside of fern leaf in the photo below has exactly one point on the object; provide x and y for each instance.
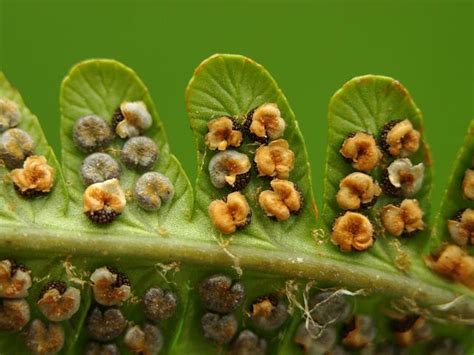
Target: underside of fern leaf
(283, 261)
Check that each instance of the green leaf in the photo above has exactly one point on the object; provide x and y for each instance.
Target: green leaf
(232, 85)
(99, 87)
(366, 104)
(453, 200)
(14, 210)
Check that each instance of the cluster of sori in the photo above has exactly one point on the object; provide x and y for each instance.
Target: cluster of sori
(332, 326)
(230, 168)
(359, 191)
(223, 298)
(330, 323)
(31, 175)
(56, 302)
(452, 260)
(105, 322)
(104, 198)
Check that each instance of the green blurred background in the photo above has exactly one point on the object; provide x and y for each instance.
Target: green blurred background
(310, 47)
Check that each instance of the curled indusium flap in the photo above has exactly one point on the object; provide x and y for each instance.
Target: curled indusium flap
(357, 190)
(131, 119)
(107, 194)
(58, 306)
(406, 218)
(453, 263)
(36, 175)
(223, 132)
(229, 168)
(269, 312)
(265, 122)
(400, 139)
(362, 149)
(103, 201)
(282, 200)
(403, 178)
(275, 159)
(231, 213)
(461, 227)
(110, 287)
(353, 231)
(14, 280)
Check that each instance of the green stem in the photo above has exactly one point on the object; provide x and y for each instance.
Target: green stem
(288, 263)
